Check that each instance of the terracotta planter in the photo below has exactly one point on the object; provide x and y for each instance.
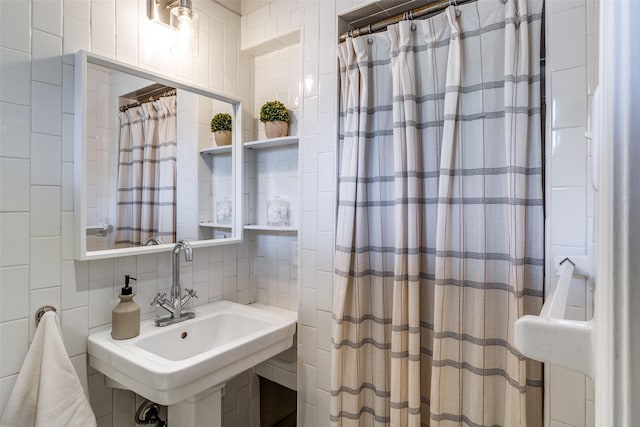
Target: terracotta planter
(276, 129)
(223, 137)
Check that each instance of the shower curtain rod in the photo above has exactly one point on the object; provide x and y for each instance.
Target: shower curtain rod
(150, 99)
(420, 12)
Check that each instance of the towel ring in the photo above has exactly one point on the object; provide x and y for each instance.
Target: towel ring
(42, 310)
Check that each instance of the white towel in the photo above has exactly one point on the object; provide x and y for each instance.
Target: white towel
(48, 391)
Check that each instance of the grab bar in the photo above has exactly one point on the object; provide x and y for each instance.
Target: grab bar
(549, 337)
(99, 229)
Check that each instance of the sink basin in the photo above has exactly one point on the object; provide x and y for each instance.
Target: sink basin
(170, 364)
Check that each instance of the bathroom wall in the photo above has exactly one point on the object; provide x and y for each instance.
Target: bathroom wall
(572, 57)
(37, 39)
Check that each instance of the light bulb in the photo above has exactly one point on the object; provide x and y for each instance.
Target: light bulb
(184, 22)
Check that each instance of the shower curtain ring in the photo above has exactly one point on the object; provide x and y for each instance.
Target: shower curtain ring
(454, 3)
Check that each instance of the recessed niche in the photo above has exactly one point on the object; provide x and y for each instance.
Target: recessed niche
(277, 405)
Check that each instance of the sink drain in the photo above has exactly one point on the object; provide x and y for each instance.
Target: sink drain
(183, 335)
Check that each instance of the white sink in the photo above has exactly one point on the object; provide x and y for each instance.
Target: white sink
(170, 364)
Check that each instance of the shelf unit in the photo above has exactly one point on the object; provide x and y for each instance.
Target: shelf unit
(272, 142)
(212, 151)
(215, 225)
(261, 227)
(257, 147)
(216, 183)
(272, 168)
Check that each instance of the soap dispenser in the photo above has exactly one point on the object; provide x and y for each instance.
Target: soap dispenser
(125, 318)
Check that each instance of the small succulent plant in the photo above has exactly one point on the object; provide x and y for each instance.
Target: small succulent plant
(221, 121)
(274, 111)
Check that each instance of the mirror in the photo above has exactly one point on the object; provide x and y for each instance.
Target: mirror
(147, 170)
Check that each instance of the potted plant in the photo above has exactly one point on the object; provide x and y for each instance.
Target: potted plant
(221, 128)
(275, 117)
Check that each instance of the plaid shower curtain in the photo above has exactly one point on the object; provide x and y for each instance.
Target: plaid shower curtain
(146, 194)
(439, 240)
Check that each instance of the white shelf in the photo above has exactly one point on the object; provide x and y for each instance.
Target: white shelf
(98, 227)
(215, 225)
(216, 150)
(272, 142)
(263, 227)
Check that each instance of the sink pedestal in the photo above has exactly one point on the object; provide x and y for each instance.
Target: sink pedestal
(186, 364)
(203, 409)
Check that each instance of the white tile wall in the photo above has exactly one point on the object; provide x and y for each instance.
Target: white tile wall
(47, 16)
(46, 55)
(14, 341)
(46, 108)
(15, 23)
(571, 55)
(45, 262)
(276, 75)
(14, 245)
(36, 161)
(16, 131)
(102, 28)
(14, 183)
(46, 154)
(15, 82)
(45, 211)
(14, 299)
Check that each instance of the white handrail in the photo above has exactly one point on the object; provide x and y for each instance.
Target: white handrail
(98, 227)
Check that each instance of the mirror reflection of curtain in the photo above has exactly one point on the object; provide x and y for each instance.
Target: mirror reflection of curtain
(146, 196)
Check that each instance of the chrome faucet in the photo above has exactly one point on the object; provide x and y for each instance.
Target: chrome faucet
(177, 301)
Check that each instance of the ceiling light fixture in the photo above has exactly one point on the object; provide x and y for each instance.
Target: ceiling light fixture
(181, 18)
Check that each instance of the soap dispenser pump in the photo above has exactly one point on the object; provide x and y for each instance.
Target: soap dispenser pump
(125, 318)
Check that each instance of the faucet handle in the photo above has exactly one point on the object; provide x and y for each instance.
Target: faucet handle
(159, 298)
(191, 292)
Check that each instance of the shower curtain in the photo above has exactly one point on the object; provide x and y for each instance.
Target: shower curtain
(439, 239)
(146, 194)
